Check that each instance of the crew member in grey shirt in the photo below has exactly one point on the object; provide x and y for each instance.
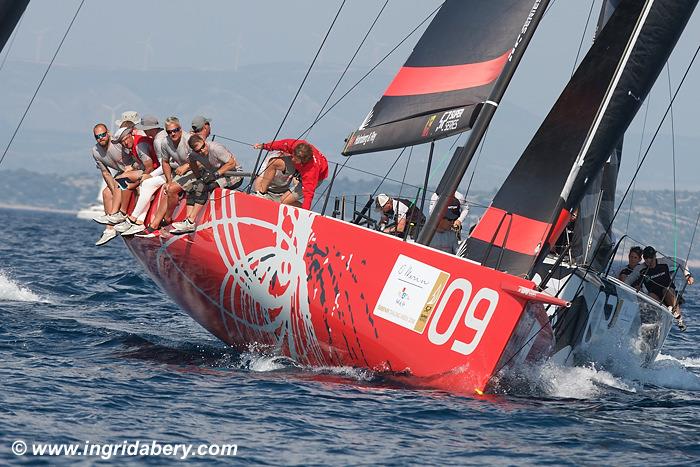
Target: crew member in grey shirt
(214, 166)
(172, 149)
(110, 157)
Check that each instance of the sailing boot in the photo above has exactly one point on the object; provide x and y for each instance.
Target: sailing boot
(678, 318)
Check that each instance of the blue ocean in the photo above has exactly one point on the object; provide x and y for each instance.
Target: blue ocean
(93, 352)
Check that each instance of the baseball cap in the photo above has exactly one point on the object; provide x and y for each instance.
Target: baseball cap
(381, 200)
(199, 121)
(648, 252)
(148, 122)
(129, 115)
(121, 134)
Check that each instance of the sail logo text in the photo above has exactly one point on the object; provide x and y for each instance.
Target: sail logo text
(466, 313)
(364, 139)
(449, 120)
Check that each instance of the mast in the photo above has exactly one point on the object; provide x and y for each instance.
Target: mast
(10, 13)
(466, 153)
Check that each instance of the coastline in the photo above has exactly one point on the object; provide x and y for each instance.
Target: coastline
(24, 207)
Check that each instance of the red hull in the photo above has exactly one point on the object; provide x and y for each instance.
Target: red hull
(329, 293)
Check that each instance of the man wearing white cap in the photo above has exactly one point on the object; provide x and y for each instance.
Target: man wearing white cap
(201, 126)
(128, 116)
(150, 182)
(398, 215)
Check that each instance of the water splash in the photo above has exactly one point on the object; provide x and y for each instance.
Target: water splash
(11, 291)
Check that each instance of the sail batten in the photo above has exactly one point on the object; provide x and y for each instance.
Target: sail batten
(448, 76)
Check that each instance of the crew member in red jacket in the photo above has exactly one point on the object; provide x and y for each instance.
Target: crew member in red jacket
(309, 162)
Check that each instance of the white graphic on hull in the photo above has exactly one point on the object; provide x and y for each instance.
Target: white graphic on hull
(285, 257)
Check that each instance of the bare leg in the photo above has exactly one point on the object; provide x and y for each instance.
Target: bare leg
(192, 211)
(290, 199)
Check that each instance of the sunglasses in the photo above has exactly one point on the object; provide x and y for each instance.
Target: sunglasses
(174, 130)
(200, 149)
(101, 135)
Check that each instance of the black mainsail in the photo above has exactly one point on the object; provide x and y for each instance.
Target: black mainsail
(446, 79)
(10, 13)
(593, 241)
(578, 135)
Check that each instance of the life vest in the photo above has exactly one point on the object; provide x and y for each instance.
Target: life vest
(413, 214)
(151, 151)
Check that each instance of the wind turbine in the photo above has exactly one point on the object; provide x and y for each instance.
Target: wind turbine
(113, 110)
(39, 43)
(147, 51)
(237, 47)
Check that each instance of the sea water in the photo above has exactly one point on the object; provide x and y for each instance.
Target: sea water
(93, 352)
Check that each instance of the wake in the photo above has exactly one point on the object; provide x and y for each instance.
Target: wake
(12, 292)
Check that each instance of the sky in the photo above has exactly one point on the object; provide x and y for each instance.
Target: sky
(240, 62)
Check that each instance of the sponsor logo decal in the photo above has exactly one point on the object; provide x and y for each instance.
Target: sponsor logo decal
(428, 124)
(410, 293)
(364, 139)
(449, 120)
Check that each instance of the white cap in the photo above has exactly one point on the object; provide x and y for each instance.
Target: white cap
(129, 115)
(121, 134)
(382, 199)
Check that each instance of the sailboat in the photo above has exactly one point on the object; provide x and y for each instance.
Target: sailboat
(327, 292)
(96, 209)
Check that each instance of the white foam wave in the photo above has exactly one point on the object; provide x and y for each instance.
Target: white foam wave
(688, 362)
(11, 291)
(588, 382)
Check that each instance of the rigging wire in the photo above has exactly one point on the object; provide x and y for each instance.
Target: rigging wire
(303, 81)
(232, 139)
(352, 88)
(12, 41)
(31, 101)
(347, 67)
(320, 117)
(617, 211)
(673, 163)
(583, 36)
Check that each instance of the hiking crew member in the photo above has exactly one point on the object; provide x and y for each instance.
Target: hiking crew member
(214, 167)
(172, 149)
(657, 278)
(150, 182)
(109, 155)
(634, 258)
(308, 161)
(398, 215)
(201, 126)
(139, 149)
(276, 179)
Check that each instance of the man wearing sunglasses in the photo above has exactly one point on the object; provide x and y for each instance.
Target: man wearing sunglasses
(173, 151)
(109, 157)
(214, 166)
(201, 126)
